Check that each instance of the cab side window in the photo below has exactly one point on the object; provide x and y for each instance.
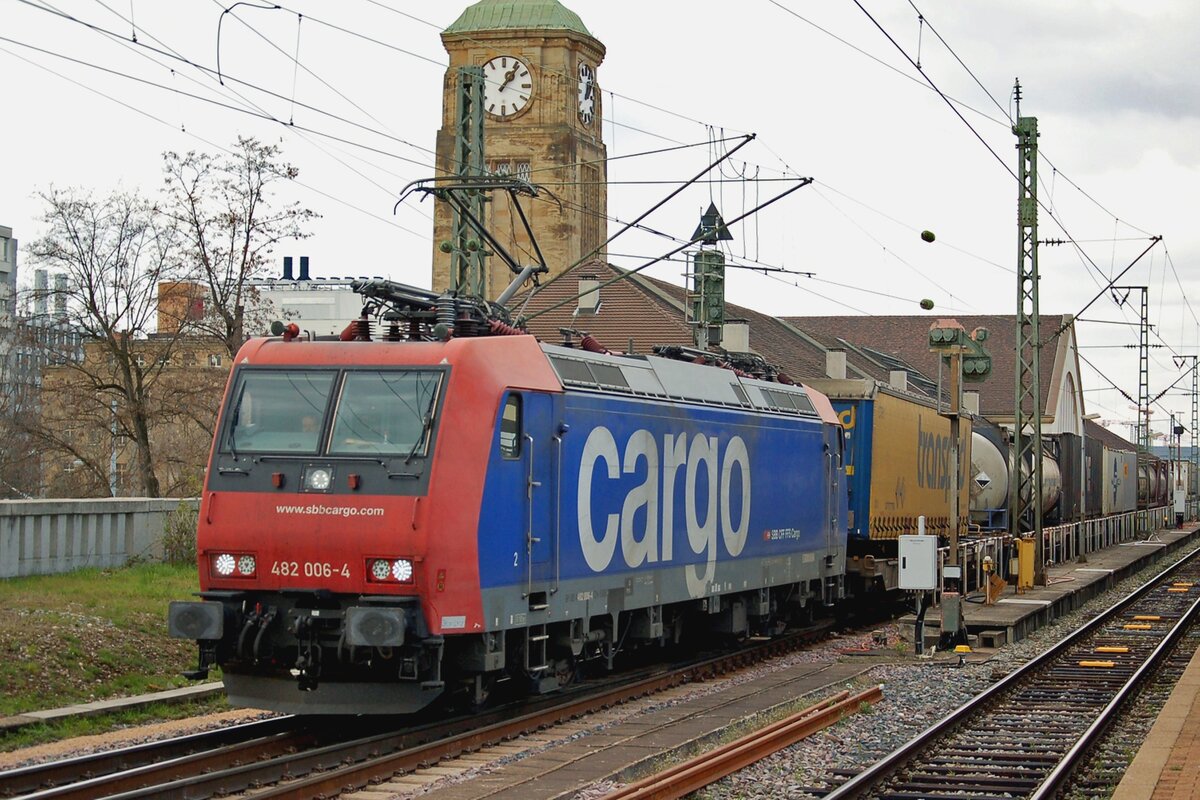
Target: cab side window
(510, 427)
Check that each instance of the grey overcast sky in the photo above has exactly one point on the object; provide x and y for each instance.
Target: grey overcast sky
(828, 94)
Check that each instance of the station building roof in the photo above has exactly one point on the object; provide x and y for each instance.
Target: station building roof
(906, 338)
(1111, 440)
(646, 312)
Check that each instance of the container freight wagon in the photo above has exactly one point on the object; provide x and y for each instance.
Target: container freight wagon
(1067, 450)
(1153, 481)
(898, 467)
(1120, 482)
(1094, 451)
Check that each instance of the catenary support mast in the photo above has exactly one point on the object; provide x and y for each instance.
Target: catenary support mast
(467, 253)
(1024, 499)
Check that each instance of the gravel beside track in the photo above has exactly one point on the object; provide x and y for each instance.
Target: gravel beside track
(918, 691)
(915, 696)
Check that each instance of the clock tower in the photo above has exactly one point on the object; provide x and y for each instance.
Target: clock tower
(541, 123)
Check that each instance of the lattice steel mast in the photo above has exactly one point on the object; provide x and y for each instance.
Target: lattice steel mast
(1024, 499)
(1144, 371)
(467, 253)
(1194, 430)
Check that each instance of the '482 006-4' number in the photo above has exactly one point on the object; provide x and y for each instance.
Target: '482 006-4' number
(309, 569)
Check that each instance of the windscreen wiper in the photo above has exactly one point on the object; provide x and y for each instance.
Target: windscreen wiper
(426, 423)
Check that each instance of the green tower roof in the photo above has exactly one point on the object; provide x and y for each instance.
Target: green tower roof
(490, 15)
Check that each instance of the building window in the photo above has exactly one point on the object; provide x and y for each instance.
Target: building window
(592, 225)
(214, 359)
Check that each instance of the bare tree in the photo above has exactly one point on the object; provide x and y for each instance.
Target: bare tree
(225, 209)
(114, 251)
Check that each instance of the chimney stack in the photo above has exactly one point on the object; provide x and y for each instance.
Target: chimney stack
(589, 294)
(835, 364)
(304, 268)
(41, 291)
(287, 269)
(60, 296)
(736, 336)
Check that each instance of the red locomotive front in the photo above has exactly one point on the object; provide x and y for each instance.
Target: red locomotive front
(337, 528)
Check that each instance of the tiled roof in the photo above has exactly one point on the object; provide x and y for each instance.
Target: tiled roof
(1111, 440)
(627, 312)
(646, 312)
(907, 338)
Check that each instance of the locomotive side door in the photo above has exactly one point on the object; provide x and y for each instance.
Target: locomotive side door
(543, 457)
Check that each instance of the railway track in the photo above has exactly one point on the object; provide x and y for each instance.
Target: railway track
(304, 758)
(1023, 737)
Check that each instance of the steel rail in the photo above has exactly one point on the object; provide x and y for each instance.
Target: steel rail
(395, 750)
(1061, 773)
(361, 773)
(696, 773)
(23, 780)
(858, 786)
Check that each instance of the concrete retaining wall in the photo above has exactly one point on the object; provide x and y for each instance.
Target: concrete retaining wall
(41, 537)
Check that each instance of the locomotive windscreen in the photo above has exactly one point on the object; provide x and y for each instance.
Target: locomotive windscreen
(357, 412)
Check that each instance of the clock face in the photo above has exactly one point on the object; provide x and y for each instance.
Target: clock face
(507, 86)
(587, 93)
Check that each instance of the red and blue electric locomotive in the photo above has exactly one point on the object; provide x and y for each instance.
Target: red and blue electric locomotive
(408, 514)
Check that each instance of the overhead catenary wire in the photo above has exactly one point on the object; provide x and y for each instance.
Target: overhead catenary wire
(339, 116)
(952, 102)
(174, 53)
(680, 248)
(1075, 243)
(202, 140)
(434, 26)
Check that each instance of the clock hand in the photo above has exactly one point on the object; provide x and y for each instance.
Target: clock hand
(508, 76)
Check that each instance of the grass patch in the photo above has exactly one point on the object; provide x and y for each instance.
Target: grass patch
(90, 635)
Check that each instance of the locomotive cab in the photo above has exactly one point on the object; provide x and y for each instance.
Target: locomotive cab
(305, 456)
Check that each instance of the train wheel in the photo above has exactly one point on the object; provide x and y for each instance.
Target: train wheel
(481, 690)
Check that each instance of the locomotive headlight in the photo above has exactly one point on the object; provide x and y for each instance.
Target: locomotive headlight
(318, 479)
(233, 565)
(402, 570)
(381, 569)
(224, 565)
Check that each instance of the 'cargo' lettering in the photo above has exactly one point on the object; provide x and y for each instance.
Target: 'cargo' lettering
(721, 506)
